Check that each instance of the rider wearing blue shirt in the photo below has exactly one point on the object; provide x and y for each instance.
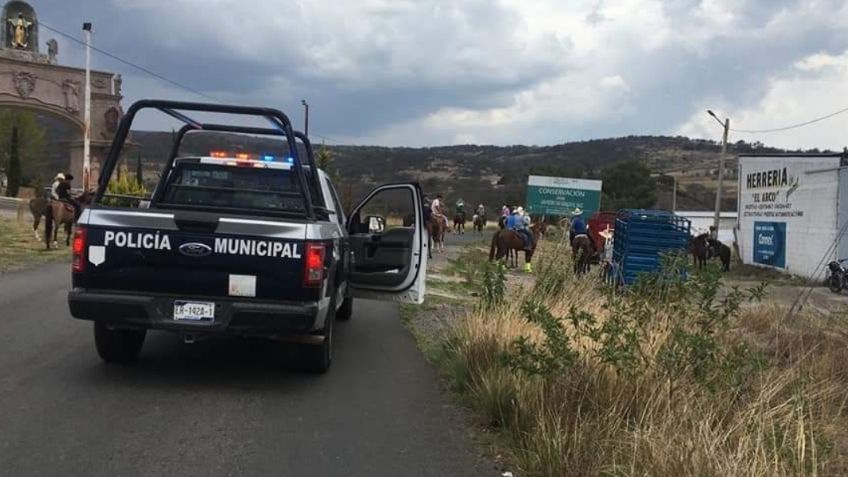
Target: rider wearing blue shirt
(578, 225)
(516, 222)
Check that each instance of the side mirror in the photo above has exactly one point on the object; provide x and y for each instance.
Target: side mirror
(376, 224)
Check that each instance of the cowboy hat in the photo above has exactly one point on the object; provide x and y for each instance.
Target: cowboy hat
(59, 177)
(577, 211)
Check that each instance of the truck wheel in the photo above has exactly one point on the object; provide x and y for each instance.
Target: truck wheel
(345, 312)
(118, 346)
(317, 358)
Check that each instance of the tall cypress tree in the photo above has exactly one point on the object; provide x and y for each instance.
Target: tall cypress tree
(13, 174)
(139, 174)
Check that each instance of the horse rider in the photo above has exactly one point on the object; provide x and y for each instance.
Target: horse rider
(438, 209)
(460, 206)
(712, 240)
(505, 211)
(578, 225)
(55, 185)
(516, 222)
(63, 193)
(480, 211)
(606, 256)
(427, 211)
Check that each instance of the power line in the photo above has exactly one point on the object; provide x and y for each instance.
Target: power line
(793, 126)
(129, 63)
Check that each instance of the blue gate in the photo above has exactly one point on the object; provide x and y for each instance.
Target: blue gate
(642, 236)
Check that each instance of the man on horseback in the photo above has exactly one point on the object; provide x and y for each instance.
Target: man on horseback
(62, 192)
(516, 222)
(480, 211)
(437, 209)
(578, 226)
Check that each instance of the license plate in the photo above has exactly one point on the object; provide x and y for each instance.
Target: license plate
(194, 311)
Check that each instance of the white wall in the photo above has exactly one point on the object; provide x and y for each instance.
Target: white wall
(703, 220)
(800, 192)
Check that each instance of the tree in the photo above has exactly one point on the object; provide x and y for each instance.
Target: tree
(628, 185)
(324, 160)
(13, 172)
(139, 173)
(30, 144)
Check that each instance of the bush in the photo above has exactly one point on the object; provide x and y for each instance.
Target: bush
(126, 186)
(661, 379)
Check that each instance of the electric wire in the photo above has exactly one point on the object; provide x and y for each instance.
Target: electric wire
(792, 126)
(130, 63)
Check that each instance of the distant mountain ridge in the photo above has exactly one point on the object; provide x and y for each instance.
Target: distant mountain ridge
(495, 175)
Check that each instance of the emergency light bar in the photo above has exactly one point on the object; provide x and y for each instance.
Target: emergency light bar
(234, 162)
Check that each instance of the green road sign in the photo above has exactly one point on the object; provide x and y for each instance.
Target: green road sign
(561, 195)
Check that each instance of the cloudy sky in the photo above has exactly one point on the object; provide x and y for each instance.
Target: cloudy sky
(434, 72)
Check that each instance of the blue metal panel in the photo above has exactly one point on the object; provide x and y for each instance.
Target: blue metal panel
(642, 236)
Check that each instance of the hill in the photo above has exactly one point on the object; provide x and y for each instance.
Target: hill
(495, 175)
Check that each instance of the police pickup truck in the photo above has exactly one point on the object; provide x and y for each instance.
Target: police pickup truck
(245, 244)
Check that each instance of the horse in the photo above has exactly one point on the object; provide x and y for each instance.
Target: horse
(582, 251)
(699, 248)
(459, 223)
(479, 223)
(436, 229)
(539, 228)
(62, 213)
(38, 209)
(721, 251)
(504, 241)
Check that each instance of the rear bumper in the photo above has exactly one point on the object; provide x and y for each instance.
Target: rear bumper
(232, 316)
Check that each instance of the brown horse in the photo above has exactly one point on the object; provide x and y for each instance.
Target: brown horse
(459, 223)
(479, 223)
(699, 248)
(722, 251)
(436, 228)
(61, 213)
(504, 241)
(582, 251)
(539, 228)
(38, 209)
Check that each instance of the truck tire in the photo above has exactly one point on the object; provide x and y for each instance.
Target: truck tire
(318, 358)
(118, 346)
(345, 312)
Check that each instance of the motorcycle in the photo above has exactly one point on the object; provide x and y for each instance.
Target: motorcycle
(836, 279)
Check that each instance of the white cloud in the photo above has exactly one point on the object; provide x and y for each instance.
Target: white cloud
(791, 98)
(508, 71)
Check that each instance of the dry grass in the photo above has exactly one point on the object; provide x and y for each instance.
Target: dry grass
(785, 417)
(19, 248)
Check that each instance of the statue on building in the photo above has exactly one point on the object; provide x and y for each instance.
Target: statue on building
(71, 90)
(20, 31)
(118, 82)
(52, 50)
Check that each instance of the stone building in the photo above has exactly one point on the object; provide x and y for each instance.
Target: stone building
(36, 81)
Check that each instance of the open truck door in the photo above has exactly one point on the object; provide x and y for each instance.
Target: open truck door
(388, 244)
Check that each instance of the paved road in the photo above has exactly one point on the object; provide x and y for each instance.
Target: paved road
(219, 407)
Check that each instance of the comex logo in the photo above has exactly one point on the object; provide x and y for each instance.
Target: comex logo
(195, 249)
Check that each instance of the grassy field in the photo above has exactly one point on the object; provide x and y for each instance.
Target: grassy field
(19, 249)
(670, 378)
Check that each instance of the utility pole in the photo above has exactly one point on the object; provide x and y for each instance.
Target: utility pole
(726, 126)
(674, 195)
(305, 117)
(86, 145)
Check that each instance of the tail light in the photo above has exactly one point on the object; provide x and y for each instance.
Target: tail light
(79, 249)
(313, 267)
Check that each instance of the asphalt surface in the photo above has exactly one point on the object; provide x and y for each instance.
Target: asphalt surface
(218, 407)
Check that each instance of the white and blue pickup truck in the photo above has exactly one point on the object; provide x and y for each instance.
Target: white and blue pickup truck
(244, 244)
